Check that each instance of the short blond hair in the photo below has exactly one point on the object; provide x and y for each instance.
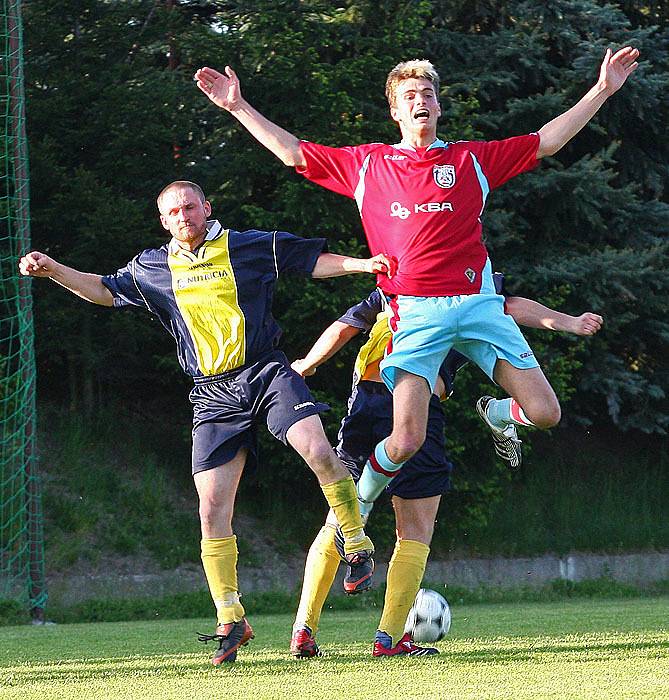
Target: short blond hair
(416, 68)
(178, 184)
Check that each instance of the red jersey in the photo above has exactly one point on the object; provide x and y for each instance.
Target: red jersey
(423, 206)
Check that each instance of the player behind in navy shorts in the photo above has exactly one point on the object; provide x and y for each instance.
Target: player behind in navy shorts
(416, 491)
(421, 201)
(212, 290)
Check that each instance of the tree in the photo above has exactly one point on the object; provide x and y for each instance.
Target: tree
(105, 125)
(589, 223)
(114, 115)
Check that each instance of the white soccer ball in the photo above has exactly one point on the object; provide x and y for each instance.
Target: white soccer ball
(429, 618)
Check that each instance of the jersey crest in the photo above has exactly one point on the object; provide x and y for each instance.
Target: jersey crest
(444, 175)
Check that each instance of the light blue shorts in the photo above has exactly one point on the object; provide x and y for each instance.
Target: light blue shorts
(474, 324)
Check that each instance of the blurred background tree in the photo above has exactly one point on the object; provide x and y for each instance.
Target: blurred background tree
(114, 115)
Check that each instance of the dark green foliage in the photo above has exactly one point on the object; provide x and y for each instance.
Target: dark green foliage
(106, 497)
(12, 612)
(577, 494)
(109, 496)
(590, 221)
(114, 115)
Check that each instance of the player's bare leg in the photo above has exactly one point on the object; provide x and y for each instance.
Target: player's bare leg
(216, 489)
(411, 399)
(308, 438)
(415, 525)
(415, 518)
(533, 403)
(530, 389)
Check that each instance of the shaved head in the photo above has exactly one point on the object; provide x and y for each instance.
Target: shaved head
(180, 185)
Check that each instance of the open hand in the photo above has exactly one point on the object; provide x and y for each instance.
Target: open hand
(221, 88)
(617, 67)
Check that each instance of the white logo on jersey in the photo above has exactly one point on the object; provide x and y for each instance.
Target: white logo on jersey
(393, 157)
(444, 175)
(396, 209)
(470, 274)
(401, 212)
(190, 280)
(432, 206)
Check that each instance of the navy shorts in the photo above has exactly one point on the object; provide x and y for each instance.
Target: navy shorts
(227, 408)
(370, 419)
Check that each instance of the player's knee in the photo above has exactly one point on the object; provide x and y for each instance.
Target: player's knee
(322, 460)
(546, 415)
(214, 511)
(555, 414)
(416, 531)
(404, 453)
(404, 445)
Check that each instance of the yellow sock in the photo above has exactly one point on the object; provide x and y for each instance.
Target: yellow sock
(405, 572)
(219, 559)
(343, 499)
(320, 570)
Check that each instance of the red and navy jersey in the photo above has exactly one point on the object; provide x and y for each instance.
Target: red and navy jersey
(216, 301)
(423, 206)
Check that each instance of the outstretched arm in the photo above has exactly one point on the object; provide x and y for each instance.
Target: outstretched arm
(530, 313)
(331, 341)
(223, 90)
(332, 265)
(613, 73)
(85, 285)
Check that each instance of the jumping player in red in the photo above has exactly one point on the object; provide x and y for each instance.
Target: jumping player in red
(421, 201)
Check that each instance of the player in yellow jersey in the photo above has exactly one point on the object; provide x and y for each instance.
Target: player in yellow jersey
(212, 289)
(416, 491)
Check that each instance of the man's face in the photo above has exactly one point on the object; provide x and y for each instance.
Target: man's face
(416, 107)
(184, 215)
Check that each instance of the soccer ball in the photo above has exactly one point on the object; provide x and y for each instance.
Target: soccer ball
(429, 618)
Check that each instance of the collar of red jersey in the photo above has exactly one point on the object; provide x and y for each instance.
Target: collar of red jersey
(437, 143)
(214, 229)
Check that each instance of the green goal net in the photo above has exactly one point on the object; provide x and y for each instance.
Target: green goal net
(21, 540)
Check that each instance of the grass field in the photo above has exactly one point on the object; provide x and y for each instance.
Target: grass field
(610, 649)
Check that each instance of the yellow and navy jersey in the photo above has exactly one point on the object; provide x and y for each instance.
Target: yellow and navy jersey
(217, 300)
(371, 316)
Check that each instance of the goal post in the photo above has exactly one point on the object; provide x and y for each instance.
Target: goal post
(21, 526)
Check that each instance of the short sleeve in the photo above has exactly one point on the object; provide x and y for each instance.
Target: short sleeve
(124, 286)
(336, 169)
(295, 255)
(363, 315)
(502, 160)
